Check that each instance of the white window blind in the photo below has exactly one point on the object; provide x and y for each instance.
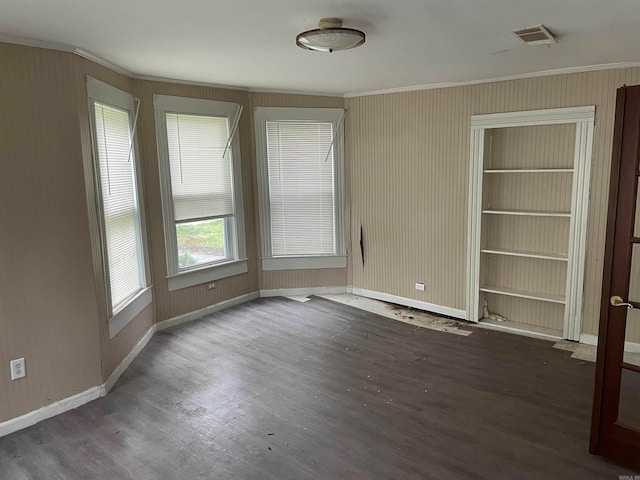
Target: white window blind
(201, 180)
(117, 183)
(301, 188)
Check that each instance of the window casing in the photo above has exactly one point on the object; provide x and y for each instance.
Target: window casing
(300, 168)
(201, 190)
(121, 237)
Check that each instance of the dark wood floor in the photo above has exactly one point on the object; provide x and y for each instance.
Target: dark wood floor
(277, 389)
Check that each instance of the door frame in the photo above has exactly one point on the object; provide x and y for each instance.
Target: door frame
(584, 119)
(603, 424)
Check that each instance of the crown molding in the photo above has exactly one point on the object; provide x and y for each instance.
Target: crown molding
(296, 92)
(519, 76)
(32, 42)
(151, 78)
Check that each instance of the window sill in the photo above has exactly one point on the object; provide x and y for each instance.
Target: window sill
(304, 263)
(207, 273)
(136, 305)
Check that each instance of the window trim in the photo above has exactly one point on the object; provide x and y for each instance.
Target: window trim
(237, 262)
(332, 115)
(118, 318)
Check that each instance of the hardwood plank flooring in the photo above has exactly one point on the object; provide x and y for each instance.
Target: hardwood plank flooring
(278, 389)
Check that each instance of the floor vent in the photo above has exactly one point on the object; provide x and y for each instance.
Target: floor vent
(537, 35)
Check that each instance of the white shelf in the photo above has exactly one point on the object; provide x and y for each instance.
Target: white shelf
(528, 213)
(563, 257)
(510, 292)
(529, 170)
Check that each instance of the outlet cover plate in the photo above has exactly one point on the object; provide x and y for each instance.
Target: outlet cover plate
(420, 286)
(18, 369)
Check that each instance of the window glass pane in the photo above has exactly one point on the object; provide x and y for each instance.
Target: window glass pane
(117, 183)
(301, 188)
(632, 337)
(201, 242)
(628, 412)
(201, 181)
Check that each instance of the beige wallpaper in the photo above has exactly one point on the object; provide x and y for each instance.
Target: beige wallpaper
(298, 278)
(48, 304)
(409, 160)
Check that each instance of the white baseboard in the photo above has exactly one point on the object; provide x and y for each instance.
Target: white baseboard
(429, 307)
(188, 317)
(124, 364)
(69, 403)
(588, 339)
(51, 410)
(289, 292)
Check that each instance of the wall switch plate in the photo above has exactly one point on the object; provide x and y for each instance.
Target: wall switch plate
(420, 286)
(211, 286)
(17, 369)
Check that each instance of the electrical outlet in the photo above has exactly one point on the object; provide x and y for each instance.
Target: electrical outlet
(420, 286)
(17, 369)
(211, 286)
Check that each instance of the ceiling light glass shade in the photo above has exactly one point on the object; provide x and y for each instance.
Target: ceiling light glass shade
(330, 37)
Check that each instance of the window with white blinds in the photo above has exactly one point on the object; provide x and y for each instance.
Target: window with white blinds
(119, 203)
(117, 228)
(199, 160)
(201, 178)
(301, 187)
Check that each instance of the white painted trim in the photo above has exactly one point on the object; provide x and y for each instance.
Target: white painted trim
(188, 317)
(296, 92)
(33, 42)
(261, 115)
(289, 292)
(150, 78)
(75, 401)
(48, 411)
(519, 76)
(578, 227)
(409, 302)
(476, 169)
(550, 116)
(101, 92)
(101, 61)
(236, 234)
(589, 339)
(584, 118)
(209, 273)
(126, 361)
(304, 263)
(138, 303)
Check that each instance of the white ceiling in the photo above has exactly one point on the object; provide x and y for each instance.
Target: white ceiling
(251, 43)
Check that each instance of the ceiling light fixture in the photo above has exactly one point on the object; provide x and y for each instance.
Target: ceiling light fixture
(330, 37)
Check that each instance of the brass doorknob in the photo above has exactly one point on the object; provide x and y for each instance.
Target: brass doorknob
(617, 301)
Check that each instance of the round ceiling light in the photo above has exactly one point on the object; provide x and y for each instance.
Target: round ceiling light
(330, 37)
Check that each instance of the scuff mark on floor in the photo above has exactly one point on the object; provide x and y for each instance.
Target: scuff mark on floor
(404, 314)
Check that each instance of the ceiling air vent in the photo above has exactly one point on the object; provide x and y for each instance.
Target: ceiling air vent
(537, 35)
